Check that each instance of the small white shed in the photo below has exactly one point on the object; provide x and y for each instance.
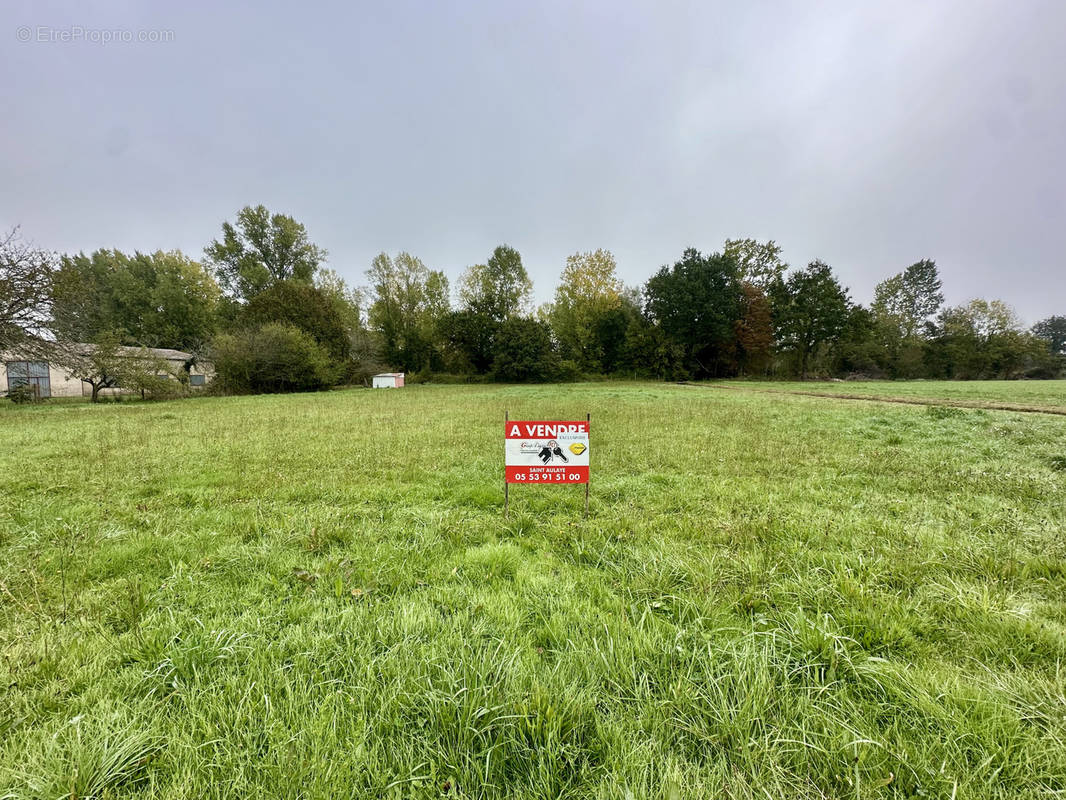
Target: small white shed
(388, 380)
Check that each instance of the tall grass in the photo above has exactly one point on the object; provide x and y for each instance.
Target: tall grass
(317, 596)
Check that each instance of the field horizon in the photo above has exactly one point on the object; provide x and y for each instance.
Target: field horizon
(774, 594)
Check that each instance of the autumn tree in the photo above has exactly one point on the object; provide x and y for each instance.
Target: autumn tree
(588, 291)
(754, 330)
(260, 250)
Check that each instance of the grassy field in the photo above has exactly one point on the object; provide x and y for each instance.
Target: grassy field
(1035, 394)
(316, 596)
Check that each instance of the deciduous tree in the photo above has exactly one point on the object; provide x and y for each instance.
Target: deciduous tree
(260, 250)
(498, 289)
(697, 302)
(754, 330)
(984, 339)
(469, 337)
(1053, 331)
(26, 274)
(524, 352)
(108, 364)
(164, 299)
(347, 300)
(812, 311)
(304, 307)
(758, 263)
(909, 298)
(409, 301)
(588, 291)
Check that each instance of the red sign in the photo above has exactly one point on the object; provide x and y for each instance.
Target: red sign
(546, 452)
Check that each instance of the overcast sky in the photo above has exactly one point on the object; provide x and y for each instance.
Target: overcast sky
(867, 135)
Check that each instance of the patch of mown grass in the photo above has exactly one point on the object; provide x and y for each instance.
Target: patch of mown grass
(1034, 395)
(313, 596)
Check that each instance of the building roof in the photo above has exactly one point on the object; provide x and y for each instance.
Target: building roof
(133, 352)
(160, 352)
(389, 375)
(43, 352)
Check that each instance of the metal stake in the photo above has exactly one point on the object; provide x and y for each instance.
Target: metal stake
(588, 420)
(506, 485)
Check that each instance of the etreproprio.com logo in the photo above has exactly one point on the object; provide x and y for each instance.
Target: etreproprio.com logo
(78, 33)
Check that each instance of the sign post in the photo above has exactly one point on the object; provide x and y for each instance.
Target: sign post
(588, 421)
(545, 452)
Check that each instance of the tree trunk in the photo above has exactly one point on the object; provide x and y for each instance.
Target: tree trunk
(96, 391)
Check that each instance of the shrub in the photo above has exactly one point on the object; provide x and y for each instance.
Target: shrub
(275, 357)
(156, 386)
(569, 371)
(303, 307)
(22, 394)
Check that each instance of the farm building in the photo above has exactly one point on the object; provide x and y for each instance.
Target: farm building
(51, 379)
(388, 380)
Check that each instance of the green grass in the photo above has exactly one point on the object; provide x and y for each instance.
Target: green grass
(1038, 394)
(316, 596)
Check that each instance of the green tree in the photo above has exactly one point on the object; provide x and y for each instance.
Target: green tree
(588, 290)
(26, 274)
(260, 250)
(98, 363)
(1053, 331)
(409, 302)
(469, 337)
(697, 303)
(859, 350)
(304, 307)
(498, 289)
(910, 298)
(611, 328)
(348, 301)
(523, 352)
(812, 311)
(984, 339)
(902, 308)
(758, 263)
(163, 299)
(107, 364)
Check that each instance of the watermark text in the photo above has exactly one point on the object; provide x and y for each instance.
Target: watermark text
(77, 33)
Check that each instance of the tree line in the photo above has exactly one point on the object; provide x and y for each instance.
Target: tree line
(263, 308)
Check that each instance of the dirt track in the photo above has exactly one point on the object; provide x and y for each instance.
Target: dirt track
(911, 401)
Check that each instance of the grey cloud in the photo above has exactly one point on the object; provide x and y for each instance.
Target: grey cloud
(869, 136)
